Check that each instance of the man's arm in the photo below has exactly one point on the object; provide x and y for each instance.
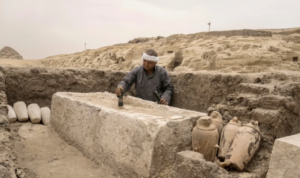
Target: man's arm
(167, 85)
(128, 80)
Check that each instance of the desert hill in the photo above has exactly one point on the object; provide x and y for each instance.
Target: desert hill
(235, 50)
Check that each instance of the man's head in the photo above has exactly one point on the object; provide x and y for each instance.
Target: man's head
(150, 58)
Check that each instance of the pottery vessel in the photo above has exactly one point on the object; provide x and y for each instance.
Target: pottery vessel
(34, 113)
(245, 144)
(227, 136)
(11, 115)
(218, 121)
(45, 111)
(205, 138)
(21, 111)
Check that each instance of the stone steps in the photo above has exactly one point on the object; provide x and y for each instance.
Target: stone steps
(273, 101)
(254, 88)
(265, 116)
(253, 101)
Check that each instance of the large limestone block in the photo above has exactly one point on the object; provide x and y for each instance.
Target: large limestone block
(11, 115)
(285, 158)
(46, 114)
(34, 113)
(140, 139)
(21, 111)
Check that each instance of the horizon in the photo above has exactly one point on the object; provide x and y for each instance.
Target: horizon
(62, 27)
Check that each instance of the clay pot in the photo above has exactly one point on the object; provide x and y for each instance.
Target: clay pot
(34, 113)
(21, 111)
(11, 115)
(45, 111)
(218, 121)
(245, 143)
(205, 138)
(227, 136)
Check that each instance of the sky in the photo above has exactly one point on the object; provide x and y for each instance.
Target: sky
(42, 28)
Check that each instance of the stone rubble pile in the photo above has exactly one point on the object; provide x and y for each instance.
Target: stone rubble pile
(238, 143)
(19, 112)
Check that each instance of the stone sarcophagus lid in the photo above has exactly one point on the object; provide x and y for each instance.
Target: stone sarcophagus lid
(140, 139)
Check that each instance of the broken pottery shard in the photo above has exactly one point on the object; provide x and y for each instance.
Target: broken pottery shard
(285, 158)
(245, 144)
(34, 113)
(45, 111)
(205, 138)
(11, 114)
(218, 121)
(227, 136)
(140, 140)
(21, 111)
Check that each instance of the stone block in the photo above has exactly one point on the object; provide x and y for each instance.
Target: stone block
(285, 158)
(140, 139)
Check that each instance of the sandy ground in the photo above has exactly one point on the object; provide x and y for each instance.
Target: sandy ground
(20, 63)
(44, 154)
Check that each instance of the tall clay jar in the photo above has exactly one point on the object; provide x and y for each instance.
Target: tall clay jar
(205, 138)
(227, 136)
(218, 121)
(245, 144)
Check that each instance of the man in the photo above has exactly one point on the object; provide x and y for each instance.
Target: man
(148, 78)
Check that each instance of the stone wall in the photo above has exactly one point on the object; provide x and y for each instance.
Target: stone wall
(193, 91)
(7, 165)
(37, 85)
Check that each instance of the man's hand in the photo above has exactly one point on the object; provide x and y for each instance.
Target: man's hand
(163, 101)
(119, 91)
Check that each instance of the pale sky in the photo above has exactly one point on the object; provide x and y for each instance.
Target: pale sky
(40, 28)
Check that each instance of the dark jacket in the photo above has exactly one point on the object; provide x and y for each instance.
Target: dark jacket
(145, 85)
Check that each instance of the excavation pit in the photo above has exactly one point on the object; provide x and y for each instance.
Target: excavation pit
(140, 139)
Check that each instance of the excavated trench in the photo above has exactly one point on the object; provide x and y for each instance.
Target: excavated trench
(40, 152)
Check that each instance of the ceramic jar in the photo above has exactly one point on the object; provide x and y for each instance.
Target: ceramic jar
(205, 138)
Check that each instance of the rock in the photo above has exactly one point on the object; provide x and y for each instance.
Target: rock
(9, 53)
(193, 165)
(20, 173)
(285, 158)
(11, 114)
(4, 122)
(34, 113)
(139, 40)
(4, 173)
(46, 115)
(21, 111)
(139, 139)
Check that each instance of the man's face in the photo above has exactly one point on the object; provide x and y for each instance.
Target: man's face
(148, 65)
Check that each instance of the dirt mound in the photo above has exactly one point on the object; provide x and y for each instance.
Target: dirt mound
(9, 53)
(245, 51)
